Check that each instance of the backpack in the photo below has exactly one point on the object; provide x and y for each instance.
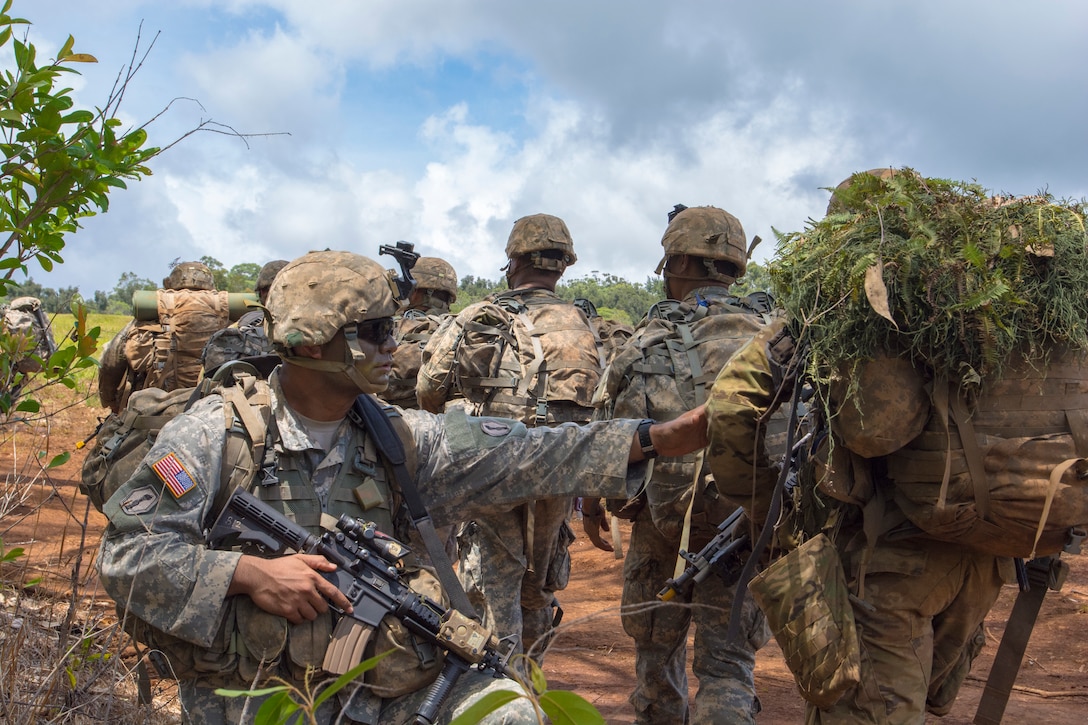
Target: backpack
(414, 330)
(1002, 470)
(666, 369)
(530, 357)
(123, 439)
(165, 352)
(25, 316)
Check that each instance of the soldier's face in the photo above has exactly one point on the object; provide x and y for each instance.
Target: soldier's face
(377, 344)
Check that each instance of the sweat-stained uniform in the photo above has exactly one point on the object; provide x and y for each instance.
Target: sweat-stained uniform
(642, 380)
(154, 561)
(922, 602)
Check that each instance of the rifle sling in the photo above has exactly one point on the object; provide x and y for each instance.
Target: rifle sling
(392, 450)
(1010, 654)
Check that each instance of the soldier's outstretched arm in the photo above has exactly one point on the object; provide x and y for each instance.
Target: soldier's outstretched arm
(677, 437)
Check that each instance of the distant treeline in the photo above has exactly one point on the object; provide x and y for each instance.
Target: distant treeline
(614, 297)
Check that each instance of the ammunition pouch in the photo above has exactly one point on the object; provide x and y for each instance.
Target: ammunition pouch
(807, 604)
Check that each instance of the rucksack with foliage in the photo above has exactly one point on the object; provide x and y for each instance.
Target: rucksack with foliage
(666, 369)
(165, 352)
(531, 357)
(953, 366)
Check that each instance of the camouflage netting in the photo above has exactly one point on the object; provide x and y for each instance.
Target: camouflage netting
(939, 270)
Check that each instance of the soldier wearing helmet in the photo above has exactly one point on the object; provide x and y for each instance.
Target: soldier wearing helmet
(146, 353)
(189, 275)
(428, 307)
(665, 369)
(219, 618)
(266, 276)
(530, 355)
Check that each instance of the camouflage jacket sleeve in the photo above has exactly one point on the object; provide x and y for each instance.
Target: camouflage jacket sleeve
(153, 558)
(434, 385)
(471, 465)
(743, 391)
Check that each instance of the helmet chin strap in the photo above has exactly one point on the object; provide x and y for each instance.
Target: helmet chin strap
(353, 356)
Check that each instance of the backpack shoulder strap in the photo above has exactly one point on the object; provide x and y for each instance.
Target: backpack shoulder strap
(380, 424)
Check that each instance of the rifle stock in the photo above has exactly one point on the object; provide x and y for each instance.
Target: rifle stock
(370, 575)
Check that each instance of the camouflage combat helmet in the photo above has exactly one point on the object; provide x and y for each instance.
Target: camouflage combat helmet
(189, 275)
(266, 275)
(709, 233)
(320, 293)
(835, 204)
(432, 273)
(317, 294)
(540, 233)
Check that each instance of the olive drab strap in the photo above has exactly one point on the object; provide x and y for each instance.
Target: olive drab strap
(381, 428)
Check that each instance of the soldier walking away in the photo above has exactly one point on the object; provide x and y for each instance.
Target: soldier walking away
(666, 368)
(226, 618)
(525, 354)
(162, 346)
(929, 459)
(428, 306)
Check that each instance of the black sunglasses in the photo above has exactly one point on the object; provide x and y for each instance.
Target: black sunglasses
(376, 331)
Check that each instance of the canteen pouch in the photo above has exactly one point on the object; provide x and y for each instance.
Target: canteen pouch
(805, 599)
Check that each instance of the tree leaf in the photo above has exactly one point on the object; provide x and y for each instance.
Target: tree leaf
(568, 708)
(486, 705)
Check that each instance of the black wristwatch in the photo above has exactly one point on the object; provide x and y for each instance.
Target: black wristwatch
(644, 441)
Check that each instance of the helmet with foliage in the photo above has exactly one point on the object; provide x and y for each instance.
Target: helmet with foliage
(189, 275)
(836, 205)
(544, 237)
(432, 273)
(707, 232)
(267, 274)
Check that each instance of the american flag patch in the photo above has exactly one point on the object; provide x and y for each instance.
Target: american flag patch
(174, 475)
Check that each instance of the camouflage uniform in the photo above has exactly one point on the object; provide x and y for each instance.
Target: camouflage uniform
(436, 289)
(641, 380)
(922, 604)
(512, 560)
(154, 560)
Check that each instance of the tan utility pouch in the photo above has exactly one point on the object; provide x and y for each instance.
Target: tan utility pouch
(807, 605)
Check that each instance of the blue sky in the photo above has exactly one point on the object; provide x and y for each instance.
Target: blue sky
(440, 122)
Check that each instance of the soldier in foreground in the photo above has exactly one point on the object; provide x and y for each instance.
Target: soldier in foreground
(227, 619)
(665, 369)
(530, 355)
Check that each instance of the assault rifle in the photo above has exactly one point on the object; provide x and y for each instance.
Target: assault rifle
(369, 572)
(723, 556)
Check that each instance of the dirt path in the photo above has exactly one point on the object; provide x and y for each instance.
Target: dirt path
(593, 656)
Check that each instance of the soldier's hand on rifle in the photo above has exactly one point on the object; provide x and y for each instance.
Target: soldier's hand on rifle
(288, 586)
(594, 521)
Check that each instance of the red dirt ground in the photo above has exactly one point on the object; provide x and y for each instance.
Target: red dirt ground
(593, 656)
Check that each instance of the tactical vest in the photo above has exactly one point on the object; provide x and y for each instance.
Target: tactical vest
(251, 641)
